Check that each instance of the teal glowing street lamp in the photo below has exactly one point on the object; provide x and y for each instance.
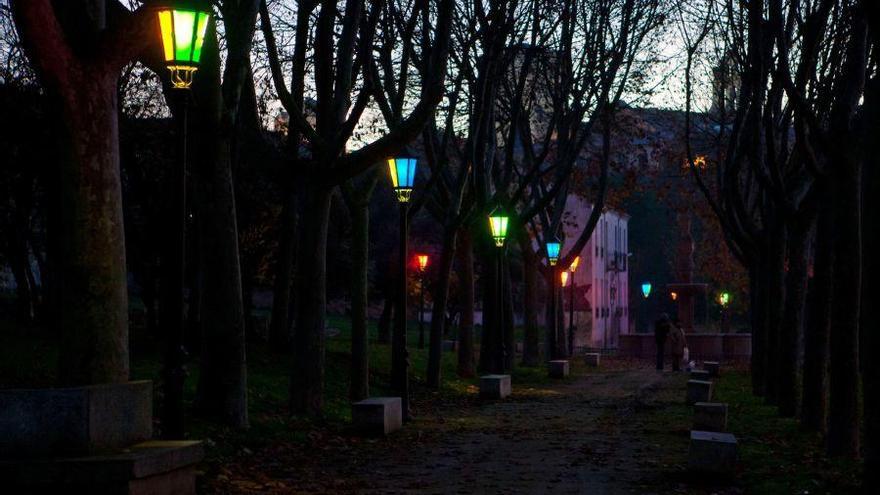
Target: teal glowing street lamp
(553, 248)
(182, 26)
(403, 175)
(646, 289)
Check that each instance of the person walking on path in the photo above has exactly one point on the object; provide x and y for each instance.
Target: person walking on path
(678, 343)
(661, 330)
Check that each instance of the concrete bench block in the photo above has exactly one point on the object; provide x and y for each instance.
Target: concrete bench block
(167, 467)
(713, 367)
(450, 345)
(74, 420)
(377, 415)
(592, 359)
(558, 368)
(701, 375)
(712, 453)
(710, 416)
(699, 391)
(495, 386)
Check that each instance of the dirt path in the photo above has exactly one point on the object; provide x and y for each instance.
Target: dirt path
(602, 433)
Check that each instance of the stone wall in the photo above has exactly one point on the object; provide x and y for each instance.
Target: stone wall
(702, 346)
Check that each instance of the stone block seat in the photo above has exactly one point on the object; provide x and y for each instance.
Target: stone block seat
(712, 453)
(377, 415)
(90, 439)
(592, 359)
(558, 368)
(494, 386)
(699, 391)
(713, 367)
(710, 416)
(153, 467)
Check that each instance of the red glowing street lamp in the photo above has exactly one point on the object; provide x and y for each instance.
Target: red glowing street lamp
(422, 261)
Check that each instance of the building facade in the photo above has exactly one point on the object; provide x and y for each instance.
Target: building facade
(599, 295)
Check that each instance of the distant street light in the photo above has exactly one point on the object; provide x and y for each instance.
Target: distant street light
(646, 289)
(182, 26)
(498, 222)
(673, 295)
(403, 173)
(571, 328)
(553, 248)
(724, 301)
(422, 260)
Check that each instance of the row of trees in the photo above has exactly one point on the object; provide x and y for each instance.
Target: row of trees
(796, 116)
(501, 110)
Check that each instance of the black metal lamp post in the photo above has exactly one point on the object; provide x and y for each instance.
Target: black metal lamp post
(422, 260)
(553, 247)
(182, 26)
(403, 174)
(499, 220)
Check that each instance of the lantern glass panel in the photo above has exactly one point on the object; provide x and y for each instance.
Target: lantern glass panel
(184, 25)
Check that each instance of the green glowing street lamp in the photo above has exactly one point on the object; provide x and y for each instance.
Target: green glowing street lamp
(724, 299)
(498, 222)
(183, 26)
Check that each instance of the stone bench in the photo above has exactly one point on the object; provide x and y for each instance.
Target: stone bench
(558, 368)
(592, 359)
(377, 415)
(698, 391)
(449, 345)
(713, 367)
(166, 467)
(712, 453)
(70, 421)
(494, 386)
(710, 416)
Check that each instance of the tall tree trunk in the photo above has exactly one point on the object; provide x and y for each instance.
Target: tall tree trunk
(800, 237)
(438, 311)
(843, 426)
(814, 408)
(465, 252)
(773, 310)
(359, 388)
(871, 271)
(531, 338)
(508, 325)
(222, 388)
(280, 335)
(307, 379)
(757, 301)
(92, 276)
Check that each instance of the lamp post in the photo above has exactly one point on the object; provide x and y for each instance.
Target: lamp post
(499, 220)
(553, 246)
(571, 328)
(182, 26)
(422, 260)
(724, 301)
(646, 291)
(403, 174)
